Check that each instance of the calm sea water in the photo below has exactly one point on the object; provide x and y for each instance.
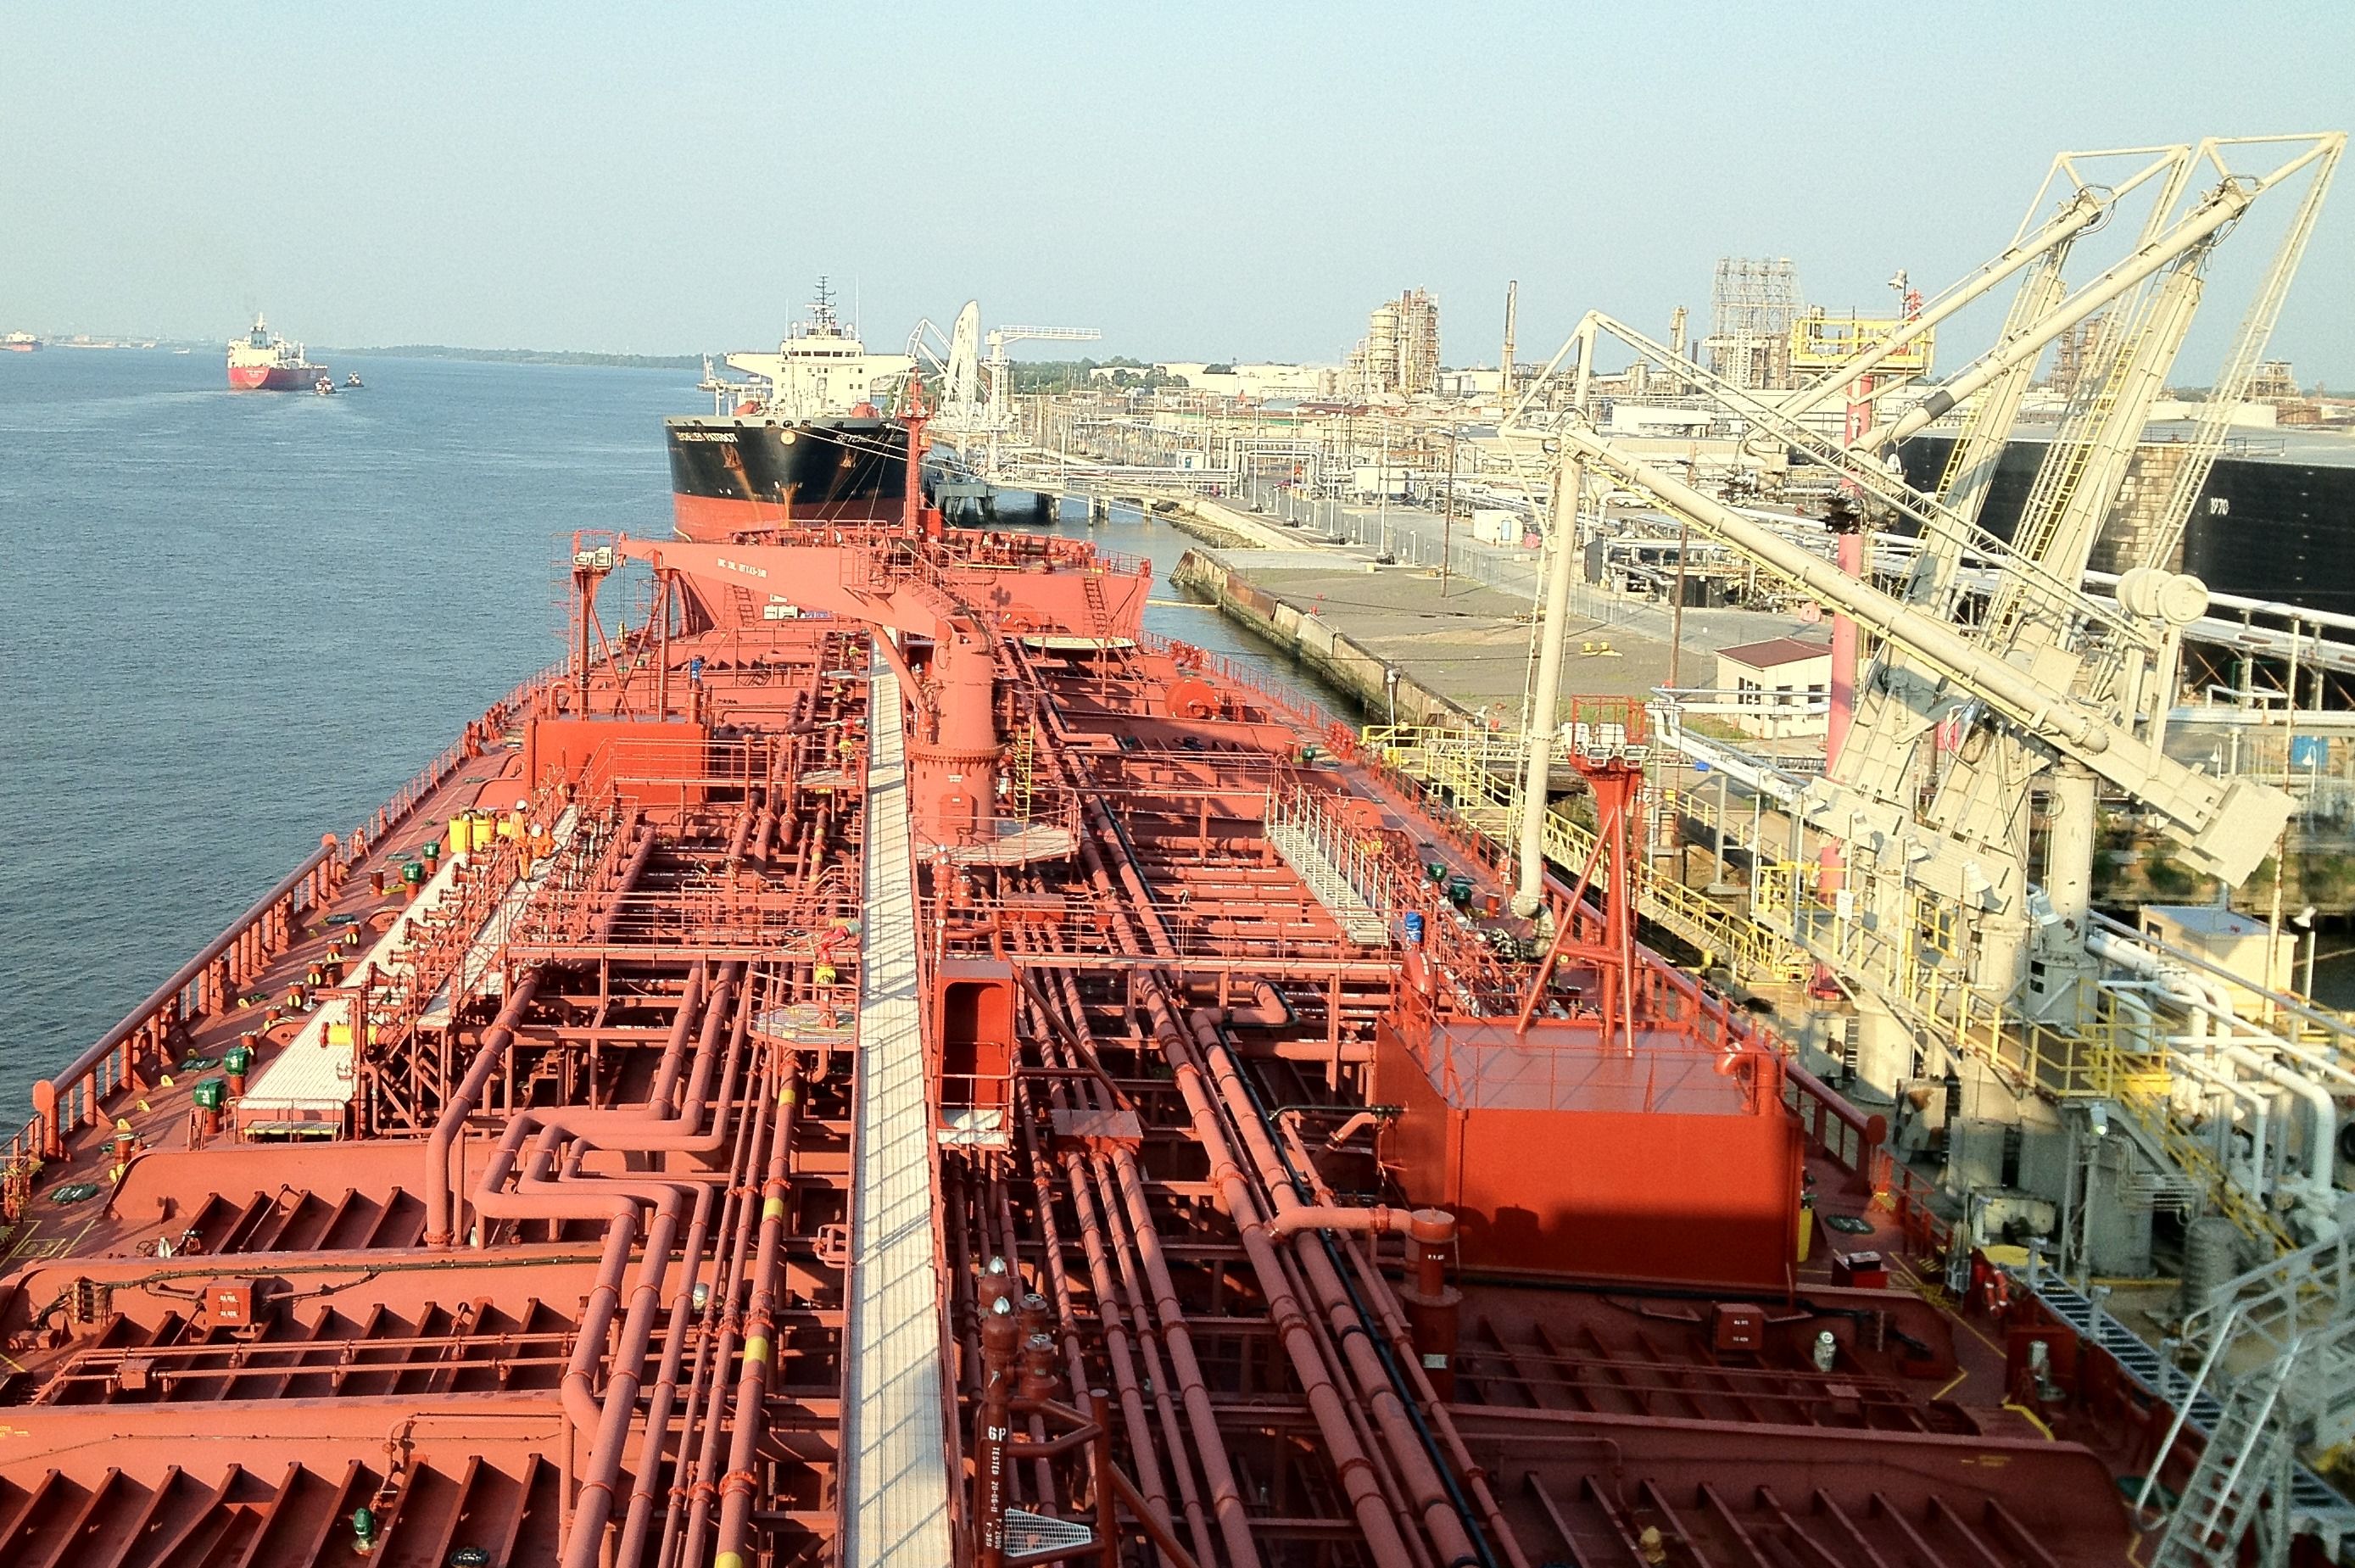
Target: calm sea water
(233, 621)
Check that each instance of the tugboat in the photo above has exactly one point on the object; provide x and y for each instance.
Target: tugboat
(262, 361)
(324, 386)
(353, 380)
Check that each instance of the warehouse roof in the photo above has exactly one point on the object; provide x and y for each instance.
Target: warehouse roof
(1774, 652)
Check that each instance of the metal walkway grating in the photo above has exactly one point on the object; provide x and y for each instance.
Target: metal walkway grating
(1027, 1533)
(2312, 1498)
(1331, 887)
(2157, 1374)
(895, 1479)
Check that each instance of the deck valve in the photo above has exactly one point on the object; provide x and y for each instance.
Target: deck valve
(1431, 1303)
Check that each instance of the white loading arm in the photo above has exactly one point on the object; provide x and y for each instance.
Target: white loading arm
(2082, 211)
(1000, 367)
(2226, 828)
(2231, 197)
(1872, 479)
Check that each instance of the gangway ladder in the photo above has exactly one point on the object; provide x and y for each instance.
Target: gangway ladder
(1339, 876)
(1022, 773)
(1099, 612)
(2183, 1407)
(2310, 1289)
(2246, 1462)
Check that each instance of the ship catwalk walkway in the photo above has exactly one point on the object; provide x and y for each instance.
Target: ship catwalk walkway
(896, 1484)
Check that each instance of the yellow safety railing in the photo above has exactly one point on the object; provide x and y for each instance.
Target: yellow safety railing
(1022, 785)
(1927, 986)
(1479, 773)
(2145, 1093)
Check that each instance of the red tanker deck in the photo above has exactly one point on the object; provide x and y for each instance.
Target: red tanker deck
(878, 1060)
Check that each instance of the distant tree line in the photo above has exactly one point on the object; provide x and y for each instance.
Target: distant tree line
(1065, 375)
(534, 357)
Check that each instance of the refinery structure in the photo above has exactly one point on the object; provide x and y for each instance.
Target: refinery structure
(1400, 353)
(874, 1056)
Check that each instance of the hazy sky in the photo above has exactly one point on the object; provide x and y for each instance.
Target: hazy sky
(1198, 181)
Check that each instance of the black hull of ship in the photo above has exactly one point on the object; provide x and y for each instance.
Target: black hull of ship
(733, 474)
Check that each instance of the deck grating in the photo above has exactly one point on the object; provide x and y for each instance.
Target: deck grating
(1358, 920)
(895, 1468)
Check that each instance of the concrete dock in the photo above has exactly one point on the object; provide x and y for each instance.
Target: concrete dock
(1411, 646)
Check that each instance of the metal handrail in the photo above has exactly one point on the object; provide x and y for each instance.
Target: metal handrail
(1279, 693)
(1481, 769)
(75, 1097)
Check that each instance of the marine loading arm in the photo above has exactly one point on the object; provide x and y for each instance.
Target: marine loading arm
(2225, 827)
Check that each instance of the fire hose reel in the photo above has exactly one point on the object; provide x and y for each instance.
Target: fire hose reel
(1192, 698)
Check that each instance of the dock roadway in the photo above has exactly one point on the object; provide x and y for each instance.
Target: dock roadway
(1412, 649)
(895, 1480)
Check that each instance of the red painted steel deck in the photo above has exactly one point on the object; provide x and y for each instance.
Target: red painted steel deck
(562, 1276)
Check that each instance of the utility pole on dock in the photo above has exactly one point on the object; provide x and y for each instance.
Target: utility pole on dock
(1677, 610)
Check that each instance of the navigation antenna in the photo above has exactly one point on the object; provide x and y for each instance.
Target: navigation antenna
(822, 308)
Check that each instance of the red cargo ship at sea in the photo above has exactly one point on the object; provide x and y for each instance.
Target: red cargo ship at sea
(885, 1061)
(262, 361)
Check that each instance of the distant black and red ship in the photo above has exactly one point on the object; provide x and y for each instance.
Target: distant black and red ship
(749, 471)
(803, 439)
